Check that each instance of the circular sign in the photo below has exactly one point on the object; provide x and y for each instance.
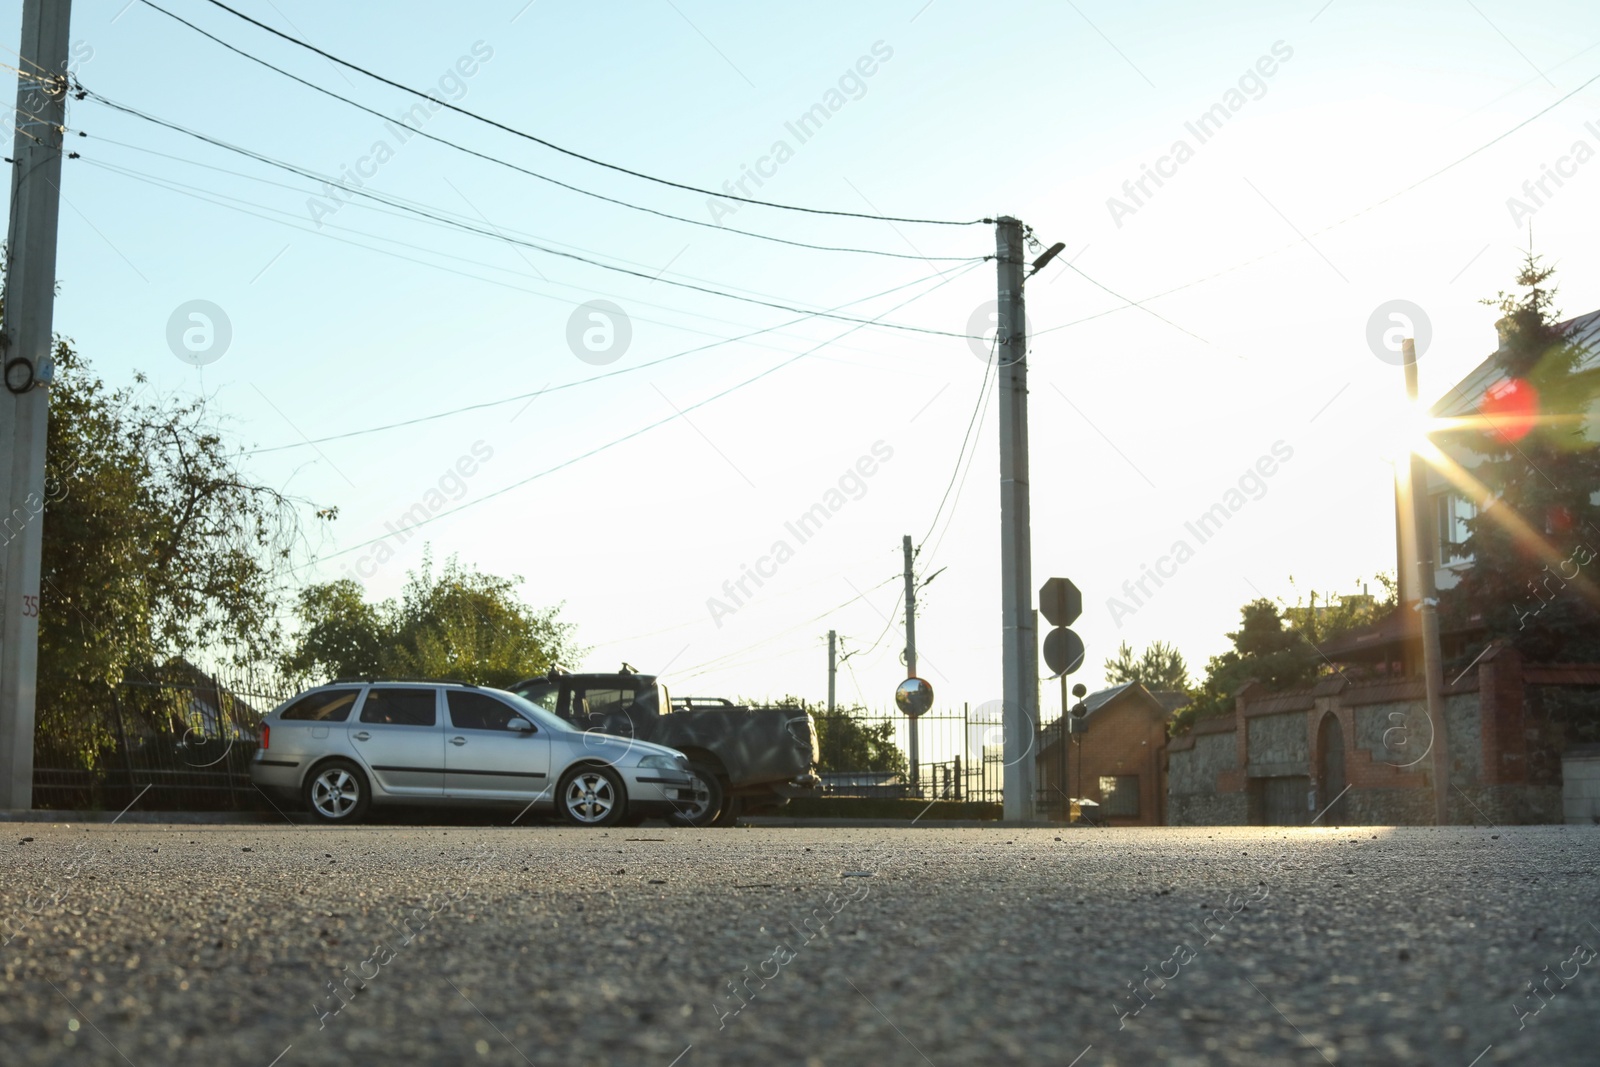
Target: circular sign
(913, 697)
(1063, 651)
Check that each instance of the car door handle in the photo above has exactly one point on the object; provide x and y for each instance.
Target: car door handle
(458, 740)
(361, 735)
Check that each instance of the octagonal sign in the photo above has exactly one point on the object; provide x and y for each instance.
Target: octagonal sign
(1060, 602)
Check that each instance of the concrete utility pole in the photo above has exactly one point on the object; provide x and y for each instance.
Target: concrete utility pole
(1020, 648)
(1428, 607)
(911, 654)
(25, 351)
(833, 667)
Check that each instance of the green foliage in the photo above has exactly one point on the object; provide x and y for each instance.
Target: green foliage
(463, 625)
(847, 742)
(156, 544)
(1532, 579)
(1161, 667)
(1330, 615)
(1264, 649)
(1279, 647)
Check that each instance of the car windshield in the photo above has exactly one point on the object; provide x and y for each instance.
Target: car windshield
(544, 718)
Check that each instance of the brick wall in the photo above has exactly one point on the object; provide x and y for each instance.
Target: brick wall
(1507, 726)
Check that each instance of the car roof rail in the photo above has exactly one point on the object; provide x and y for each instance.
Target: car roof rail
(405, 681)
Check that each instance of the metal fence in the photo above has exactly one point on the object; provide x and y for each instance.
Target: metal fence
(961, 756)
(180, 742)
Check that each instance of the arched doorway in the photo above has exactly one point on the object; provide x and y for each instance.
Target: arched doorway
(1330, 770)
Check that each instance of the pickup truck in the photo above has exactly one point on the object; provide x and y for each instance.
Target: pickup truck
(742, 758)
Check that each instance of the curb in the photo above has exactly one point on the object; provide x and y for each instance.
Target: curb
(783, 822)
(230, 818)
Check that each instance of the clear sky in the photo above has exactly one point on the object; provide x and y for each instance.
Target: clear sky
(1286, 226)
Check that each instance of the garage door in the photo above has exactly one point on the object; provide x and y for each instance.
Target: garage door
(1283, 800)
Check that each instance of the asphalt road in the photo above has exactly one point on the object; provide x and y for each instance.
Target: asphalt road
(216, 945)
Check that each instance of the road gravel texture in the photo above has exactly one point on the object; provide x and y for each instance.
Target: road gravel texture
(244, 945)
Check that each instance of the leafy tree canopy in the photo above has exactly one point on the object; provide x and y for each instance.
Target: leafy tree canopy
(461, 624)
(847, 741)
(157, 544)
(1279, 647)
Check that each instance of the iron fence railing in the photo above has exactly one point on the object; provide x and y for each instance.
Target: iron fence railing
(182, 742)
(962, 757)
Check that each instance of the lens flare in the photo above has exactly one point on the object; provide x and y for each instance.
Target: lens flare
(1511, 408)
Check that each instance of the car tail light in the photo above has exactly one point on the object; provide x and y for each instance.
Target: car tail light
(266, 736)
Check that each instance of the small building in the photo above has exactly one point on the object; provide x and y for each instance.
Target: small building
(1119, 761)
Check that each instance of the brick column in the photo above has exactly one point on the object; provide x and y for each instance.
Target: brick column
(1502, 718)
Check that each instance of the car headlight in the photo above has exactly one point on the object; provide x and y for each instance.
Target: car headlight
(665, 763)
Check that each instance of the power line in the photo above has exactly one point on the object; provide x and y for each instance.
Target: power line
(285, 218)
(490, 232)
(983, 393)
(535, 174)
(716, 660)
(550, 144)
(636, 433)
(568, 385)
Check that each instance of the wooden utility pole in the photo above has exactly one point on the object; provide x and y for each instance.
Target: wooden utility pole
(25, 352)
(1019, 642)
(1428, 608)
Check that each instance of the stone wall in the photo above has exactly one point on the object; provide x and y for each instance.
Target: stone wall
(1214, 809)
(1277, 744)
(1195, 770)
(1397, 734)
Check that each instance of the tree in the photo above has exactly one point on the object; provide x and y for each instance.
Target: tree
(845, 740)
(463, 625)
(1161, 667)
(1537, 532)
(157, 544)
(1264, 650)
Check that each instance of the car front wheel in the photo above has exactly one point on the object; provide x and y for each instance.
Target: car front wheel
(337, 793)
(592, 796)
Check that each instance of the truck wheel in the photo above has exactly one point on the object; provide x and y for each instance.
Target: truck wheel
(732, 808)
(710, 797)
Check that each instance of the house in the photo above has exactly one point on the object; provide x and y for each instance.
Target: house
(1356, 748)
(1118, 760)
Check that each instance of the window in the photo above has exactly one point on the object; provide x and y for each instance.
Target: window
(400, 707)
(478, 711)
(329, 705)
(546, 695)
(1451, 513)
(1120, 796)
(601, 701)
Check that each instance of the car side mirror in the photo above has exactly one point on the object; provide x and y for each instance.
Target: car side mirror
(520, 726)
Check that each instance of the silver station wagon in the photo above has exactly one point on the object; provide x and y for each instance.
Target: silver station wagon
(338, 749)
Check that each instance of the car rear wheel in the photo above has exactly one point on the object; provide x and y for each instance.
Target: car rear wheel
(710, 797)
(337, 793)
(592, 796)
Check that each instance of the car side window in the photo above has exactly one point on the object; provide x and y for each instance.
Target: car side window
(400, 707)
(328, 705)
(478, 711)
